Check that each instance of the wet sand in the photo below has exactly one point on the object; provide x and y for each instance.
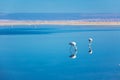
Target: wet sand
(56, 22)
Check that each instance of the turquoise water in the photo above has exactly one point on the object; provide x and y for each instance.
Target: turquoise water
(61, 16)
(42, 53)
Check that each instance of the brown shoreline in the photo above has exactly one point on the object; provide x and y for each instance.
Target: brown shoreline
(56, 22)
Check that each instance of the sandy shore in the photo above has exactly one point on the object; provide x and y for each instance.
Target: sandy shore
(59, 22)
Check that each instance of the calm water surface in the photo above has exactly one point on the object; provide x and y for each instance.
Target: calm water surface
(42, 53)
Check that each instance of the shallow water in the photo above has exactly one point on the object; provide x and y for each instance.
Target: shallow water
(42, 53)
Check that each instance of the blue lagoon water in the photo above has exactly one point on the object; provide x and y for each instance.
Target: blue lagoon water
(59, 16)
(42, 53)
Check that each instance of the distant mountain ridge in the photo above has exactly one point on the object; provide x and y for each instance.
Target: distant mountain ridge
(58, 16)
